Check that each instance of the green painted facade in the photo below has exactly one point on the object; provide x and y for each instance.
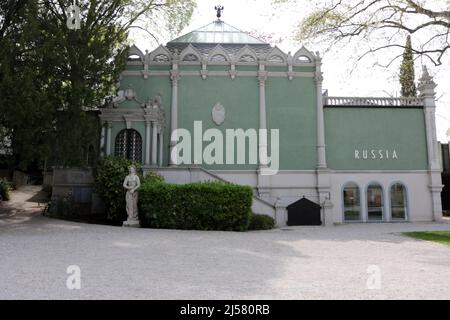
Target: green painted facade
(290, 104)
(239, 97)
(399, 129)
(291, 107)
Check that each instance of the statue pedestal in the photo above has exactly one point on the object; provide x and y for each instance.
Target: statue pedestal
(131, 224)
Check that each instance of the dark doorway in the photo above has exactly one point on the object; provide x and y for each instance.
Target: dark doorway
(304, 213)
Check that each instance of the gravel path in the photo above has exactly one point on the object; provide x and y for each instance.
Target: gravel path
(296, 263)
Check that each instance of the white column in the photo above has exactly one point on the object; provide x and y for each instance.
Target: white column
(264, 181)
(323, 173)
(427, 93)
(262, 77)
(102, 140)
(108, 138)
(147, 142)
(174, 111)
(387, 213)
(321, 152)
(364, 202)
(154, 144)
(161, 147)
(430, 122)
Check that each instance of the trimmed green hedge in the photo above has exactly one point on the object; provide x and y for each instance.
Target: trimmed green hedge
(197, 206)
(261, 222)
(5, 188)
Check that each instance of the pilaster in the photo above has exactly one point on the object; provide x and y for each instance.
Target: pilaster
(154, 145)
(161, 146)
(281, 215)
(108, 137)
(321, 152)
(264, 181)
(174, 76)
(427, 94)
(102, 140)
(147, 142)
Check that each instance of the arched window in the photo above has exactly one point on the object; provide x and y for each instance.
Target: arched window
(352, 202)
(398, 202)
(303, 59)
(161, 58)
(129, 145)
(375, 204)
(276, 59)
(219, 58)
(134, 57)
(247, 58)
(190, 57)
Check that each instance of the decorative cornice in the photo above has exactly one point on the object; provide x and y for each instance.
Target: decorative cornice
(318, 77)
(246, 55)
(174, 76)
(218, 50)
(206, 73)
(262, 77)
(132, 115)
(134, 51)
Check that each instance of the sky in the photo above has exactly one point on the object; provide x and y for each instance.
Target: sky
(342, 77)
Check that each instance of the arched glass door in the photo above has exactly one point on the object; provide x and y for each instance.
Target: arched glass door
(352, 202)
(398, 202)
(375, 203)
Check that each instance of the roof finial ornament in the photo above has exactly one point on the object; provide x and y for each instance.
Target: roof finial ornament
(219, 10)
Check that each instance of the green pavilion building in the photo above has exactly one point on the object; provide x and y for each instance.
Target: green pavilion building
(338, 159)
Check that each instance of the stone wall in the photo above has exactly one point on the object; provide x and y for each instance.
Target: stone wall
(20, 179)
(76, 184)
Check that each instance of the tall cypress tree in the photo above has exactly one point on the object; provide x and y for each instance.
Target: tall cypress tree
(407, 71)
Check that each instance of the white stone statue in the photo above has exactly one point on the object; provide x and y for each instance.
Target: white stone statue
(131, 184)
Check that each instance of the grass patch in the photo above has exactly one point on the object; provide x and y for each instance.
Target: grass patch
(435, 236)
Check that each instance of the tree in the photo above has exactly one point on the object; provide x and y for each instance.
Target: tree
(381, 24)
(407, 71)
(51, 75)
(87, 62)
(11, 12)
(25, 114)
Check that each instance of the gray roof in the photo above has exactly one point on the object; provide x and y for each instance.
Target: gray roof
(218, 32)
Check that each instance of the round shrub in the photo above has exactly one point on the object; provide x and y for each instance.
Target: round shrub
(109, 175)
(261, 222)
(152, 177)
